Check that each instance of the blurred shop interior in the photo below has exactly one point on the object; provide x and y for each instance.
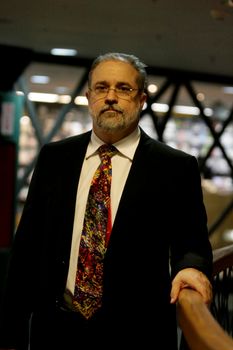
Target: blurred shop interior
(47, 116)
(190, 105)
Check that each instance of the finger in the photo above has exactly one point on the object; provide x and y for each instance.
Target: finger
(175, 290)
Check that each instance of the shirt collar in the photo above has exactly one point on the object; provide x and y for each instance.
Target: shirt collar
(127, 146)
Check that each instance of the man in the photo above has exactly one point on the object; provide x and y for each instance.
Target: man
(158, 240)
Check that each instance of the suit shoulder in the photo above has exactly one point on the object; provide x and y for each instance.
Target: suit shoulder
(69, 141)
(64, 149)
(165, 150)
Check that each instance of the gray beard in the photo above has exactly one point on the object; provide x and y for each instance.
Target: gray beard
(110, 121)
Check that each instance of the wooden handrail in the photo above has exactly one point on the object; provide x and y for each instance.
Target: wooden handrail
(222, 258)
(200, 329)
(221, 307)
(199, 325)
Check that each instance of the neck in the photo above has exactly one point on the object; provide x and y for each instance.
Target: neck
(112, 136)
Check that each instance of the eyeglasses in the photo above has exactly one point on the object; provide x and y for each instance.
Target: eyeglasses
(121, 91)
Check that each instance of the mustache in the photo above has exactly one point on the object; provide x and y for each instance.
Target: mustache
(111, 108)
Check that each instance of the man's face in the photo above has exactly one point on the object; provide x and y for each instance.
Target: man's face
(112, 112)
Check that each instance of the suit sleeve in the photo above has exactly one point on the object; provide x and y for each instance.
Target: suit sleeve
(22, 271)
(190, 245)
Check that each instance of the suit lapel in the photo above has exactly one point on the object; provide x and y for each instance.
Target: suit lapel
(136, 183)
(71, 164)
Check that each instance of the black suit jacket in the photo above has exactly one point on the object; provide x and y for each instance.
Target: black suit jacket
(161, 218)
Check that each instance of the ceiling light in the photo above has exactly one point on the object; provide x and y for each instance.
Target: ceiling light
(55, 98)
(43, 97)
(81, 100)
(228, 89)
(159, 107)
(200, 96)
(208, 111)
(39, 79)
(63, 52)
(64, 99)
(152, 88)
(186, 110)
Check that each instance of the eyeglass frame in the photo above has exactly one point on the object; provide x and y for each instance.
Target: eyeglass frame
(104, 94)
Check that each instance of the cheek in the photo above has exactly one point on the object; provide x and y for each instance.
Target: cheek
(95, 105)
(134, 108)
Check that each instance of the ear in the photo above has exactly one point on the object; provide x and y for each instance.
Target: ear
(143, 99)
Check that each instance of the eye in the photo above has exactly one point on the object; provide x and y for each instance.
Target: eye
(100, 88)
(124, 89)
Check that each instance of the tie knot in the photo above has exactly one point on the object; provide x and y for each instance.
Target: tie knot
(107, 151)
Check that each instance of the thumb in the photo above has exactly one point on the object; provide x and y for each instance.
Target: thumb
(175, 290)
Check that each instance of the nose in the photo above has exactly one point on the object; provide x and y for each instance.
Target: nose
(111, 96)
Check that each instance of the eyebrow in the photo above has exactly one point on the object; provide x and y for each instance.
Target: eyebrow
(101, 82)
(118, 83)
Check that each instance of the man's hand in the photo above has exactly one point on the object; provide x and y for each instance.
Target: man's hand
(193, 279)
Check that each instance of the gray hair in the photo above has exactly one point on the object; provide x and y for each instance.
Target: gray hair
(131, 59)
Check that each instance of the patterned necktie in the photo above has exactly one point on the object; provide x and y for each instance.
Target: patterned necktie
(95, 236)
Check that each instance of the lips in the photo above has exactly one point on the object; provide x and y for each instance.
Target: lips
(109, 109)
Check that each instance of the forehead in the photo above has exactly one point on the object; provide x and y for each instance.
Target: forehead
(114, 71)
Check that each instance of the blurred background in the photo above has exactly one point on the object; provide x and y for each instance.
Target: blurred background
(46, 50)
